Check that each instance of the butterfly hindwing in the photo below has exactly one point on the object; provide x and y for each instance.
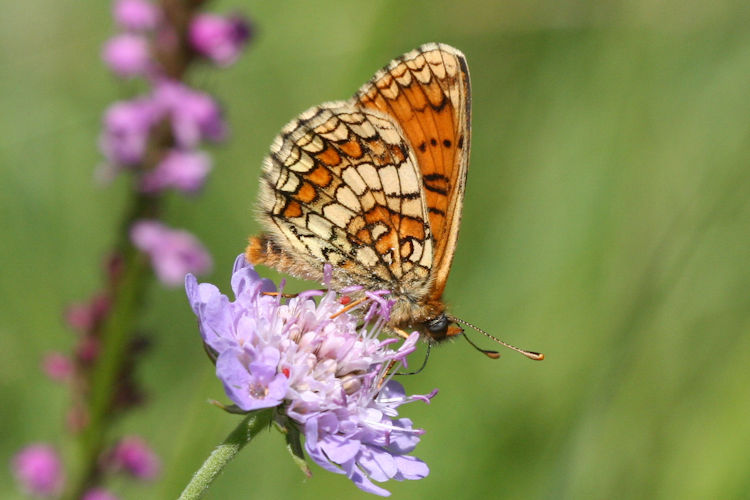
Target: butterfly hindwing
(342, 186)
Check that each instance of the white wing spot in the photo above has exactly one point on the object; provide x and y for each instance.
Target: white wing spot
(369, 175)
(389, 179)
(367, 256)
(354, 180)
(338, 214)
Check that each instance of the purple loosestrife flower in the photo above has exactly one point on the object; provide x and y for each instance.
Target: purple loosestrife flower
(127, 55)
(133, 455)
(325, 374)
(126, 130)
(136, 15)
(183, 170)
(57, 366)
(38, 470)
(220, 39)
(195, 115)
(173, 253)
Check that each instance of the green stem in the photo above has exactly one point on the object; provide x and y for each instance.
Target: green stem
(225, 452)
(116, 335)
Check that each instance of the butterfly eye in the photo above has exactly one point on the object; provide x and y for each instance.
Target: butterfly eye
(437, 326)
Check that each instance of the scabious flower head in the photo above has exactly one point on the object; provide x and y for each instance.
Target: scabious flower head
(318, 368)
(173, 253)
(127, 55)
(220, 39)
(38, 470)
(133, 455)
(183, 170)
(136, 15)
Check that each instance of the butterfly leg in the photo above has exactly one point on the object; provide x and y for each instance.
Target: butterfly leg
(401, 333)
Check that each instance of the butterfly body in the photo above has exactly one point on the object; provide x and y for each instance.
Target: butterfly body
(374, 186)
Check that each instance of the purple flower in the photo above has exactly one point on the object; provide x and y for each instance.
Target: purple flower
(84, 316)
(323, 372)
(57, 366)
(195, 115)
(98, 494)
(38, 470)
(183, 170)
(133, 455)
(126, 130)
(136, 15)
(218, 38)
(173, 253)
(251, 378)
(127, 55)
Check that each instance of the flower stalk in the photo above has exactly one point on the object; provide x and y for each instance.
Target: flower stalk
(116, 335)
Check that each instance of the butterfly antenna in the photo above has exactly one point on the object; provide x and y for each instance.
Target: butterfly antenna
(536, 356)
(486, 352)
(424, 363)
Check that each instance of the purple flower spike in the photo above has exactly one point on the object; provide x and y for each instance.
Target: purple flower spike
(326, 375)
(127, 55)
(38, 470)
(136, 15)
(98, 494)
(218, 38)
(183, 170)
(173, 253)
(133, 455)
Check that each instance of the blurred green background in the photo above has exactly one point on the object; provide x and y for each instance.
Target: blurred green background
(607, 224)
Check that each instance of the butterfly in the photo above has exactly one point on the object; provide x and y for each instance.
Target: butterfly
(375, 186)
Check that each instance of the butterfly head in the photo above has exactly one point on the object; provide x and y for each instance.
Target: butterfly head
(441, 328)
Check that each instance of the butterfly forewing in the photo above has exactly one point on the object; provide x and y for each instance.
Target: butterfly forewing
(427, 91)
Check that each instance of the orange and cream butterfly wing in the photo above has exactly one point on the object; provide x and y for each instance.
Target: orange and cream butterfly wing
(428, 93)
(342, 186)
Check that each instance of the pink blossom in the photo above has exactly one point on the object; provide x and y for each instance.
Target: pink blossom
(127, 55)
(218, 38)
(57, 366)
(83, 316)
(183, 170)
(126, 130)
(133, 455)
(195, 115)
(38, 470)
(136, 15)
(173, 253)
